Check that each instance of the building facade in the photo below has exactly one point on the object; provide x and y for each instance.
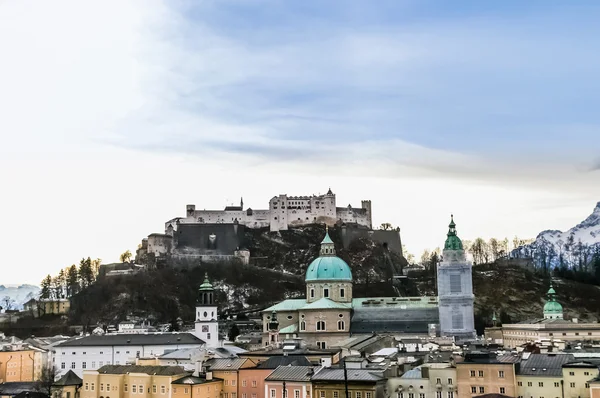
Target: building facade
(435, 380)
(455, 289)
(19, 365)
(486, 373)
(94, 352)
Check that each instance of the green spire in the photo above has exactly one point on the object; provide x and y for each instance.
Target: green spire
(206, 285)
(327, 246)
(453, 242)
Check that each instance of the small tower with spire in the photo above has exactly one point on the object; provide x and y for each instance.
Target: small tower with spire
(273, 329)
(552, 309)
(207, 325)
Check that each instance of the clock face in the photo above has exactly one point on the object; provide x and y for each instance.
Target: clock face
(204, 328)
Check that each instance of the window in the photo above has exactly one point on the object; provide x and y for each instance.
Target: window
(273, 393)
(421, 395)
(449, 382)
(342, 292)
(83, 365)
(326, 292)
(438, 381)
(400, 395)
(571, 373)
(322, 394)
(586, 373)
(253, 395)
(481, 390)
(473, 390)
(101, 363)
(587, 385)
(125, 388)
(501, 374)
(529, 384)
(520, 384)
(101, 386)
(455, 284)
(302, 325)
(141, 389)
(226, 382)
(502, 390)
(162, 389)
(438, 394)
(72, 365)
(174, 390)
(572, 385)
(321, 345)
(62, 365)
(87, 386)
(101, 353)
(108, 387)
(253, 383)
(93, 364)
(185, 390)
(244, 383)
(133, 388)
(233, 382)
(481, 373)
(336, 394)
(450, 394)
(154, 388)
(234, 394)
(472, 373)
(296, 393)
(358, 394)
(320, 326)
(556, 384)
(341, 325)
(541, 384)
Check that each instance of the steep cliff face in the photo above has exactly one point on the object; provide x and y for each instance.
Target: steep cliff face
(575, 247)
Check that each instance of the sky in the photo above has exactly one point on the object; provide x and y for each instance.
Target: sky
(115, 114)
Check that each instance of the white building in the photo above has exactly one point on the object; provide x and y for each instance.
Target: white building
(93, 352)
(455, 290)
(284, 212)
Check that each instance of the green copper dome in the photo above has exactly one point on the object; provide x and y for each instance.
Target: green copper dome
(453, 242)
(552, 306)
(328, 266)
(206, 285)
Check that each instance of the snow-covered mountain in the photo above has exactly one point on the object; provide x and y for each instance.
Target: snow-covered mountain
(573, 248)
(17, 295)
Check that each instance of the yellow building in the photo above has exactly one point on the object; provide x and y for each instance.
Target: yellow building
(485, 373)
(18, 365)
(44, 306)
(197, 386)
(577, 378)
(425, 381)
(541, 375)
(130, 381)
(67, 386)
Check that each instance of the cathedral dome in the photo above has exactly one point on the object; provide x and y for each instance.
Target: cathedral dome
(328, 266)
(553, 307)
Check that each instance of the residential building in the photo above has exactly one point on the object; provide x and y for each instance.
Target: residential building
(68, 386)
(228, 369)
(434, 380)
(95, 351)
(577, 378)
(121, 381)
(541, 375)
(486, 373)
(361, 383)
(595, 388)
(252, 380)
(197, 386)
(19, 364)
(289, 382)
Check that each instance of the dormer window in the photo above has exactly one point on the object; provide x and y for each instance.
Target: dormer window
(326, 292)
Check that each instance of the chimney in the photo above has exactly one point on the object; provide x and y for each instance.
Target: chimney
(198, 369)
(209, 376)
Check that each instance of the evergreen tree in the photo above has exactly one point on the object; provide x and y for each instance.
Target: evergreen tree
(46, 286)
(234, 331)
(72, 281)
(86, 274)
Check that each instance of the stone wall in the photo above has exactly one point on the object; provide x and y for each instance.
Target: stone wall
(209, 239)
(390, 238)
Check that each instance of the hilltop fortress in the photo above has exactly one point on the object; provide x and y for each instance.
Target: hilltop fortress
(216, 235)
(284, 212)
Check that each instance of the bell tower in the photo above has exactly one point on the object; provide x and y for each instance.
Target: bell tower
(207, 325)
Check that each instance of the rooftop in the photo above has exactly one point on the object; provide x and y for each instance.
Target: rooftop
(364, 375)
(326, 304)
(225, 363)
(287, 305)
(275, 362)
(149, 370)
(193, 380)
(133, 339)
(291, 373)
(69, 379)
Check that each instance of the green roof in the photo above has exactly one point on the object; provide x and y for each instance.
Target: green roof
(552, 306)
(289, 329)
(453, 242)
(326, 304)
(327, 239)
(287, 305)
(328, 268)
(206, 285)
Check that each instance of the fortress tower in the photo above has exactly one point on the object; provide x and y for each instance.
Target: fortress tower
(455, 289)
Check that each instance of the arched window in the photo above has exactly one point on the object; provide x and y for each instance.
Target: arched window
(302, 326)
(326, 292)
(312, 293)
(342, 292)
(320, 326)
(341, 325)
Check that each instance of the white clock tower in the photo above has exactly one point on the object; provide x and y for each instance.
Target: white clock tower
(207, 326)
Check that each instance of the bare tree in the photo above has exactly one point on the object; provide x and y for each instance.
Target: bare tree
(8, 303)
(46, 380)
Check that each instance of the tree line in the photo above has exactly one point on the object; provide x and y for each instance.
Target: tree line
(70, 280)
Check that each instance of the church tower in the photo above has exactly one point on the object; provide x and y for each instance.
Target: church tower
(455, 289)
(552, 308)
(207, 326)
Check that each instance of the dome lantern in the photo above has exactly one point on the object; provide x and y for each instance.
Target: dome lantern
(453, 242)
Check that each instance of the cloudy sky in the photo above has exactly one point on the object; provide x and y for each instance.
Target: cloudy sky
(116, 114)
